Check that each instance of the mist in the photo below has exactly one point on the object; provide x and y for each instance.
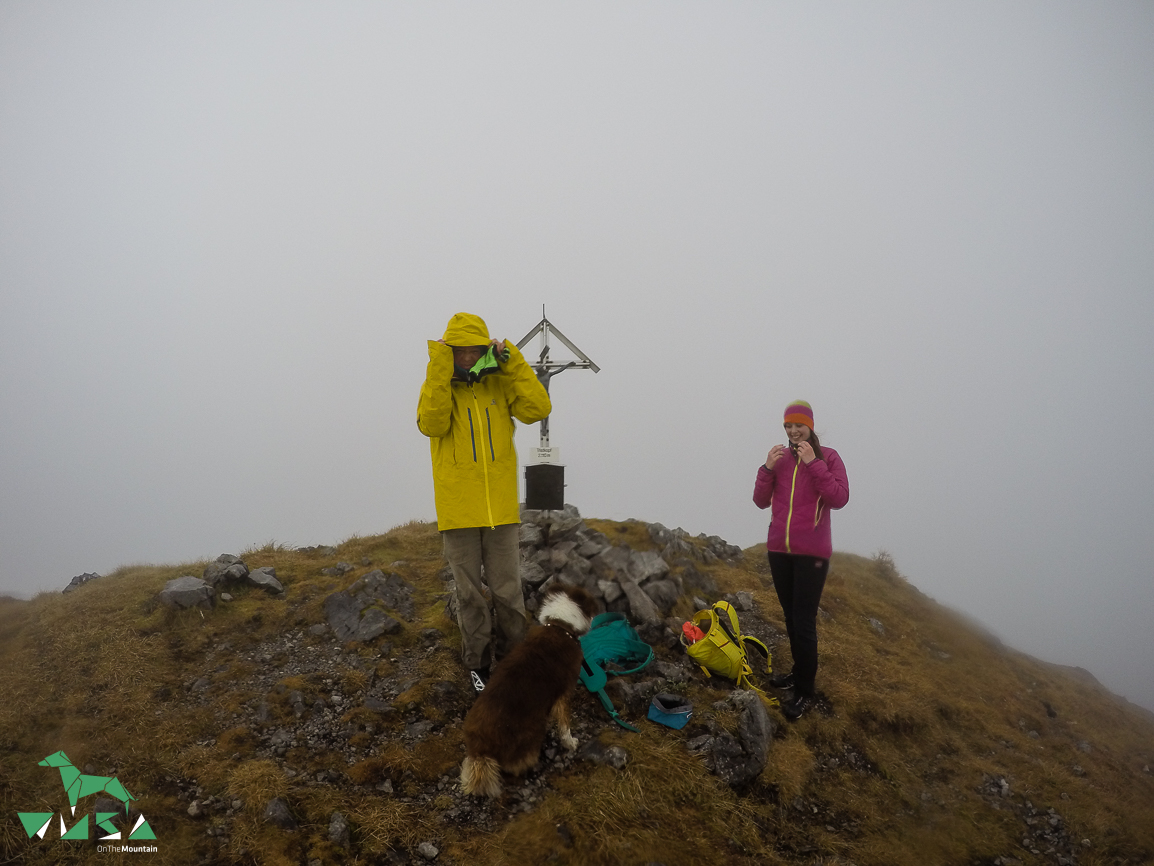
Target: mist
(228, 230)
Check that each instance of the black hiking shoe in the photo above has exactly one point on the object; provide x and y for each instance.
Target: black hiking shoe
(479, 677)
(798, 707)
(782, 681)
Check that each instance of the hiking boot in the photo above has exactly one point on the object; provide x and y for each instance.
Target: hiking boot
(796, 708)
(479, 677)
(782, 681)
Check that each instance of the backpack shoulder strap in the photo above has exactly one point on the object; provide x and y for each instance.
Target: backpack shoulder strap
(611, 638)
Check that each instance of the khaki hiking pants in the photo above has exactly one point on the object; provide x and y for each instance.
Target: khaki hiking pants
(467, 550)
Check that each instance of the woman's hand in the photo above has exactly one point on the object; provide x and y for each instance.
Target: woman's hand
(805, 452)
(774, 455)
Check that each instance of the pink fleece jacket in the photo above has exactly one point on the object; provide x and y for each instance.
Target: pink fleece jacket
(802, 496)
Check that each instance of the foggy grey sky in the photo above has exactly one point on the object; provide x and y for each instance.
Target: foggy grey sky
(227, 230)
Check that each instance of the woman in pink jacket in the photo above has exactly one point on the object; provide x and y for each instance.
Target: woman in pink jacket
(802, 482)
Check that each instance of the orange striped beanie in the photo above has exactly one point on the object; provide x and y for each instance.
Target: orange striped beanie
(799, 412)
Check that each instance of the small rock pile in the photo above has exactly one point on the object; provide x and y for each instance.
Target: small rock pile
(1043, 831)
(558, 546)
(227, 570)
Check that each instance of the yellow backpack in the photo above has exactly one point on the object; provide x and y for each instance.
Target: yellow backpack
(722, 649)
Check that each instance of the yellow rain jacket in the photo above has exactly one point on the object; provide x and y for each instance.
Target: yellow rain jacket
(470, 429)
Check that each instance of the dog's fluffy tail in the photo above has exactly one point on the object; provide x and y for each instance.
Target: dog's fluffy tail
(481, 776)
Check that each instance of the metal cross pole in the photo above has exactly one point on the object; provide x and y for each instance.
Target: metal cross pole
(544, 482)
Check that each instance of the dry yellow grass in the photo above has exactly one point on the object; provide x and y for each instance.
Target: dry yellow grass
(920, 715)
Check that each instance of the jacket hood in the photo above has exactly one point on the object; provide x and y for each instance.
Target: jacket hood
(465, 329)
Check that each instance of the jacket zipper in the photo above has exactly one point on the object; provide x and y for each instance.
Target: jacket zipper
(484, 464)
(489, 423)
(789, 516)
(472, 435)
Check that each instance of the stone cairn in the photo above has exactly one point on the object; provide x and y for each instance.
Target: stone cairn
(225, 571)
(558, 546)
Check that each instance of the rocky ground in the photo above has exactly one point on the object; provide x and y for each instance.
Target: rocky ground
(350, 708)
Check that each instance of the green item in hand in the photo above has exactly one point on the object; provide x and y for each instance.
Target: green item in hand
(487, 363)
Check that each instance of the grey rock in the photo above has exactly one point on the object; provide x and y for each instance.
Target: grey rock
(658, 534)
(578, 572)
(265, 578)
(357, 613)
(378, 706)
(700, 745)
(80, 580)
(532, 515)
(559, 554)
(530, 535)
(611, 563)
(744, 601)
(277, 813)
(428, 850)
(646, 565)
(634, 697)
(739, 760)
(877, 626)
(351, 618)
(323, 550)
(390, 589)
(756, 728)
(339, 833)
(374, 623)
(669, 670)
(226, 568)
(720, 548)
(590, 547)
(610, 590)
(696, 579)
(564, 524)
(533, 574)
(728, 760)
(664, 594)
(641, 606)
(187, 592)
(608, 756)
(677, 547)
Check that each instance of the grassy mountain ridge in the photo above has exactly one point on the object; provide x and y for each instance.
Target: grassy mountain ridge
(934, 743)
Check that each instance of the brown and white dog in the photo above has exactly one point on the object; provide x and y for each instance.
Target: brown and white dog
(506, 725)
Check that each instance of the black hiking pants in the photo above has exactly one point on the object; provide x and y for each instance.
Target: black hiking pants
(799, 581)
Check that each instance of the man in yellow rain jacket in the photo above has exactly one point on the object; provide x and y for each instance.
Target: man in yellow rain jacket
(474, 388)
